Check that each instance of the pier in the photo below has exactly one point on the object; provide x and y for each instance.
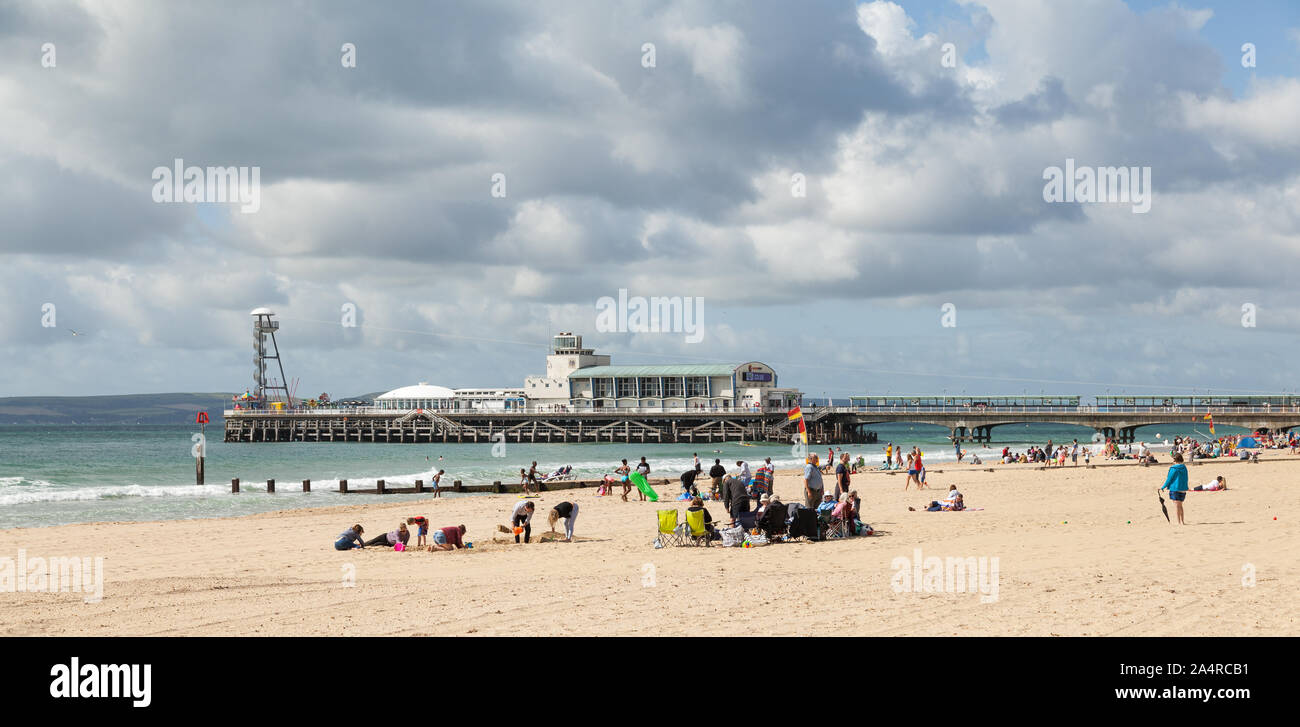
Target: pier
(622, 426)
(840, 425)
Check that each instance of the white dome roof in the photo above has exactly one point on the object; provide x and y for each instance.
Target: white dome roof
(421, 390)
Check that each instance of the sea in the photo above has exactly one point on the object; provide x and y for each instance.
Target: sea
(57, 475)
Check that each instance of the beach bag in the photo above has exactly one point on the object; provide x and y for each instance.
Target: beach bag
(732, 537)
(756, 539)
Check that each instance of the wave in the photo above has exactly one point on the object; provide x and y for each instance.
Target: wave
(74, 494)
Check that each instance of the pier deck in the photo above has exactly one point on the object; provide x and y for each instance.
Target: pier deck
(417, 427)
(824, 425)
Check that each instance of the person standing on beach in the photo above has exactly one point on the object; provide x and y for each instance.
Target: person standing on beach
(898, 453)
(522, 516)
(1074, 453)
(1176, 483)
(913, 470)
(532, 480)
(889, 455)
(688, 482)
(842, 475)
(696, 458)
(644, 468)
(623, 471)
(437, 484)
(421, 524)
(735, 497)
(717, 472)
(812, 483)
(568, 511)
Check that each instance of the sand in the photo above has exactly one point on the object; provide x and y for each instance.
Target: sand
(1079, 552)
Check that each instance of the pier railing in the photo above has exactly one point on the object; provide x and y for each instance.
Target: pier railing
(1084, 409)
(972, 410)
(378, 411)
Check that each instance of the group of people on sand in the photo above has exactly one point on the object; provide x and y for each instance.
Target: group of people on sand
(623, 476)
(453, 537)
(952, 502)
(448, 538)
(521, 519)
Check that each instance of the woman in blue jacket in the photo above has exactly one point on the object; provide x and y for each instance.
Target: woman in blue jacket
(1176, 483)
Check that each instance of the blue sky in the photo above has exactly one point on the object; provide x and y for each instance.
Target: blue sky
(924, 187)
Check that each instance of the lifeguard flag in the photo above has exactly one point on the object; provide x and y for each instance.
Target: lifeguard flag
(1211, 418)
(797, 414)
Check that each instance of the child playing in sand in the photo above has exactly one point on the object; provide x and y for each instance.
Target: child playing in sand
(421, 524)
(1219, 483)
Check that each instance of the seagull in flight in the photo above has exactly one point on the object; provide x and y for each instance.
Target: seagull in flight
(75, 332)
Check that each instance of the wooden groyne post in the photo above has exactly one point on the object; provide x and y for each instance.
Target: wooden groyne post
(270, 485)
(234, 485)
(343, 486)
(306, 485)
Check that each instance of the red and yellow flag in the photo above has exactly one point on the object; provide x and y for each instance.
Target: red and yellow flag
(1211, 418)
(796, 414)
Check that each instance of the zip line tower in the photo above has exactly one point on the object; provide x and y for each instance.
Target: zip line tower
(264, 327)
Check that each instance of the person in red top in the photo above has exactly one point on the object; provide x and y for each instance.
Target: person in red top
(448, 538)
(422, 528)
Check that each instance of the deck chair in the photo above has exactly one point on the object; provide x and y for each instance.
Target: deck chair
(667, 533)
(803, 524)
(699, 531)
(747, 520)
(832, 526)
(773, 522)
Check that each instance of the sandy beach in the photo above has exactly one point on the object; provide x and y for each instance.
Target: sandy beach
(1079, 552)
